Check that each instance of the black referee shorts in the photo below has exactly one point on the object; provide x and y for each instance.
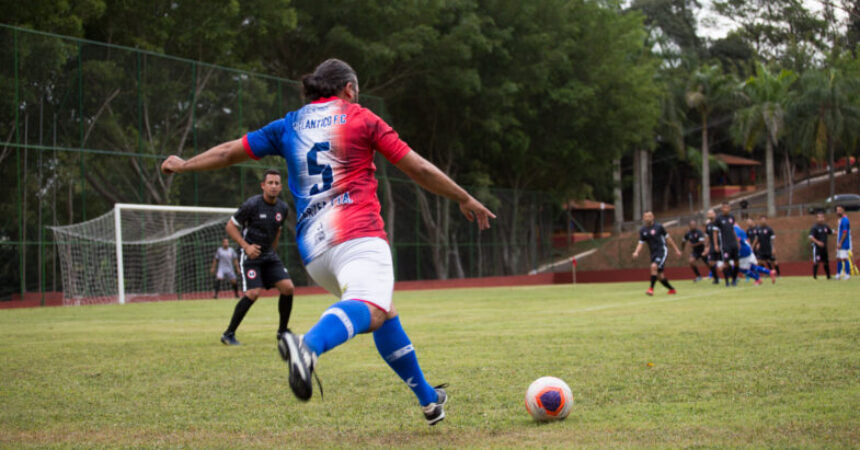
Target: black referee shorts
(263, 271)
(819, 254)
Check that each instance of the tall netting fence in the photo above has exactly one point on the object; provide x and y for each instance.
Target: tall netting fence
(85, 125)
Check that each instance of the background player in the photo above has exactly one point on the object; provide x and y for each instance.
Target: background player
(225, 260)
(843, 244)
(697, 247)
(818, 236)
(764, 249)
(329, 146)
(727, 243)
(748, 263)
(261, 218)
(715, 259)
(656, 237)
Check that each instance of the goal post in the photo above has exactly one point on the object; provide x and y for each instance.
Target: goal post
(138, 252)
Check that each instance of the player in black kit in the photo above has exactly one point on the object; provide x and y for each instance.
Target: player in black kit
(656, 237)
(715, 260)
(697, 247)
(727, 243)
(764, 245)
(818, 236)
(261, 218)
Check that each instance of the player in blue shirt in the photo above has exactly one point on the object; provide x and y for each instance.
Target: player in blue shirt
(843, 244)
(747, 261)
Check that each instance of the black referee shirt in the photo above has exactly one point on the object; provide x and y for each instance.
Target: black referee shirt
(260, 221)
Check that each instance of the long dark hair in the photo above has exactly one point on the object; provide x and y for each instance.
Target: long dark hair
(328, 79)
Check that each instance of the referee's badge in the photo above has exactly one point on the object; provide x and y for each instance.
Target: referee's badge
(252, 274)
(278, 217)
(653, 231)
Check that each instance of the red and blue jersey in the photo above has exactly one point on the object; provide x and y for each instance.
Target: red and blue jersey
(329, 147)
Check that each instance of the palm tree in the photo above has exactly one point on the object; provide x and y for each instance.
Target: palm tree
(708, 90)
(826, 113)
(767, 96)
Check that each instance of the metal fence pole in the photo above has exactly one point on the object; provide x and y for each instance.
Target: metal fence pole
(81, 132)
(20, 188)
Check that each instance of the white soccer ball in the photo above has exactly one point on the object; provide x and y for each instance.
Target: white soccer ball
(549, 398)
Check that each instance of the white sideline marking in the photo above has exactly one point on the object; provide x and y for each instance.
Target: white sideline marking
(676, 298)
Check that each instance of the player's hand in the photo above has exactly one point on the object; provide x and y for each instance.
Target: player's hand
(173, 164)
(473, 209)
(252, 250)
(211, 270)
(635, 255)
(678, 252)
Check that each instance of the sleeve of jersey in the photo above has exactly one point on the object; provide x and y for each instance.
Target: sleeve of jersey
(241, 214)
(387, 142)
(266, 141)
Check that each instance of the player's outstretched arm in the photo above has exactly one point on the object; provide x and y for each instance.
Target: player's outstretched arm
(434, 180)
(672, 243)
(222, 155)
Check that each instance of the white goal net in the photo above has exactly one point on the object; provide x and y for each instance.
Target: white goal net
(140, 253)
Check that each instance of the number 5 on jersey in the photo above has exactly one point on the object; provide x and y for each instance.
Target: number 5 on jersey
(315, 168)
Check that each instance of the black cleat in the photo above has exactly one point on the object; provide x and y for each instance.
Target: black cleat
(435, 412)
(301, 361)
(229, 338)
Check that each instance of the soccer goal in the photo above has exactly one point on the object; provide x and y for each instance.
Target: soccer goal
(139, 253)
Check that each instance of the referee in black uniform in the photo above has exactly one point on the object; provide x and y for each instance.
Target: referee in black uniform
(655, 236)
(818, 236)
(697, 247)
(728, 241)
(261, 218)
(764, 248)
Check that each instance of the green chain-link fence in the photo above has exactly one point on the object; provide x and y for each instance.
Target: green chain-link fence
(85, 125)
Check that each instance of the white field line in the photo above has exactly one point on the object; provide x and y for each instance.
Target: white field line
(675, 298)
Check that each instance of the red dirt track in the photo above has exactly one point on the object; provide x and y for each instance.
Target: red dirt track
(34, 299)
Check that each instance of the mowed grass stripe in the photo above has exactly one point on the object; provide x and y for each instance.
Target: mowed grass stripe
(763, 366)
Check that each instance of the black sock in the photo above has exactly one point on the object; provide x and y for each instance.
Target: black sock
(715, 273)
(815, 271)
(777, 268)
(827, 269)
(285, 307)
(653, 280)
(727, 274)
(216, 285)
(665, 282)
(696, 271)
(769, 265)
(242, 307)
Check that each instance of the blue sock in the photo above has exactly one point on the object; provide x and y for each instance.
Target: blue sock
(838, 266)
(338, 324)
(396, 349)
(752, 274)
(761, 269)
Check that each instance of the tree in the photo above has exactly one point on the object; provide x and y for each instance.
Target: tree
(708, 90)
(767, 96)
(826, 113)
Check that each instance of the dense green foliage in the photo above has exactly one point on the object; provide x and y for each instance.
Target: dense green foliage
(773, 366)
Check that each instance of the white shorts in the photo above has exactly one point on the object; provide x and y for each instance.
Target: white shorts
(226, 273)
(843, 253)
(358, 269)
(746, 262)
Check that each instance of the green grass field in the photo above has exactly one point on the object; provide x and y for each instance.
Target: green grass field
(766, 366)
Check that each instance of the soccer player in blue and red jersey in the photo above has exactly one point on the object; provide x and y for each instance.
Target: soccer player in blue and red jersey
(329, 146)
(843, 244)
